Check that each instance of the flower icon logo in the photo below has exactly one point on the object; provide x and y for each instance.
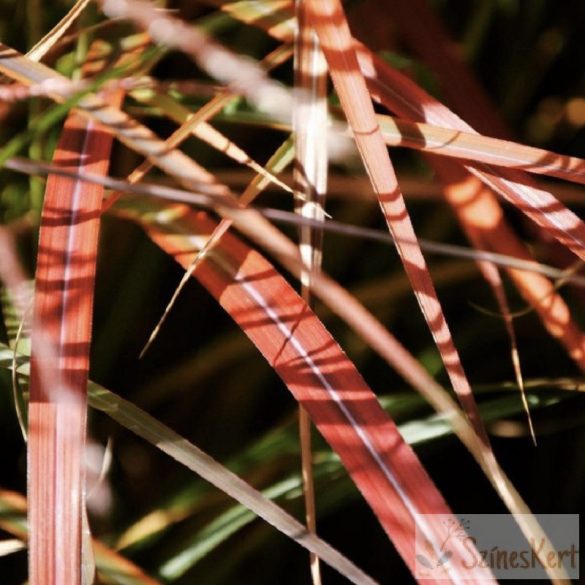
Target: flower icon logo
(434, 560)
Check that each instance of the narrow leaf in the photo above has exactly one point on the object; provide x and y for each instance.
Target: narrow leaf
(60, 355)
(329, 20)
(111, 565)
(169, 231)
(310, 180)
(540, 205)
(315, 370)
(241, 73)
(455, 143)
(401, 95)
(474, 205)
(189, 455)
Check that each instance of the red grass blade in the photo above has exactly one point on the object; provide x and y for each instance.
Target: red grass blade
(329, 21)
(390, 87)
(318, 374)
(60, 355)
(401, 95)
(174, 231)
(474, 205)
(477, 148)
(14, 509)
(478, 208)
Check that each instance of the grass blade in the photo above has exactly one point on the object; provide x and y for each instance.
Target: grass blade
(453, 143)
(543, 208)
(60, 355)
(329, 21)
(169, 442)
(462, 145)
(310, 180)
(110, 564)
(193, 458)
(280, 160)
(160, 191)
(474, 204)
(50, 39)
(269, 311)
(169, 230)
(401, 95)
